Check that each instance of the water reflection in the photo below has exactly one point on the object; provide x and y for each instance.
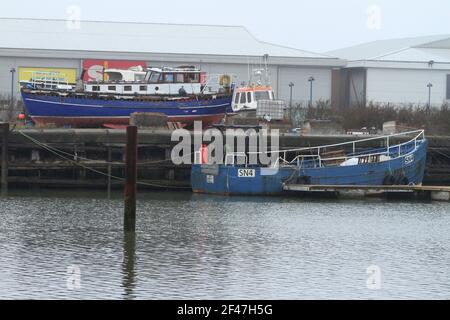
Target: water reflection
(200, 247)
(128, 265)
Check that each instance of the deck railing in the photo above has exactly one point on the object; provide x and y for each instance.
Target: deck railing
(47, 80)
(318, 160)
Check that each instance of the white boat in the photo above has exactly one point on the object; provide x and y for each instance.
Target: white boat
(246, 97)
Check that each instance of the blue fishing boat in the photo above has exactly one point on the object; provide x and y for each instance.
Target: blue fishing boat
(87, 111)
(339, 164)
(182, 94)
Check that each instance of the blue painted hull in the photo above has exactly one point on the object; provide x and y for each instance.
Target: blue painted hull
(83, 111)
(221, 179)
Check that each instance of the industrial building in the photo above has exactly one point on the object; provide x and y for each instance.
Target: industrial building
(396, 72)
(65, 46)
(409, 71)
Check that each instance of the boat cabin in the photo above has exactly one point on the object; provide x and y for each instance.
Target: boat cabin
(156, 81)
(125, 75)
(246, 98)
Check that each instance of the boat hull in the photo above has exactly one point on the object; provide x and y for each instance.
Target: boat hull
(90, 112)
(238, 180)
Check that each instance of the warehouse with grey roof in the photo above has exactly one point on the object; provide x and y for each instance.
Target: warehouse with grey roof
(37, 43)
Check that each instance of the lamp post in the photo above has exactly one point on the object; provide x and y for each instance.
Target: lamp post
(311, 80)
(291, 86)
(430, 85)
(13, 70)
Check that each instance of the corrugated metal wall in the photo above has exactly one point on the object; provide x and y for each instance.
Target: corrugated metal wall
(301, 90)
(403, 86)
(280, 77)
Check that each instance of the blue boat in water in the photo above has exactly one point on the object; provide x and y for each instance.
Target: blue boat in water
(340, 164)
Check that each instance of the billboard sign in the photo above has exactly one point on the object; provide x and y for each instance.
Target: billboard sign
(93, 69)
(61, 75)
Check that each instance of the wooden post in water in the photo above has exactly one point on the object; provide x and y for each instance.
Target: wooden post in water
(109, 171)
(4, 175)
(130, 180)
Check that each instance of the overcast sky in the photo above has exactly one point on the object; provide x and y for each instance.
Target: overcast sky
(314, 25)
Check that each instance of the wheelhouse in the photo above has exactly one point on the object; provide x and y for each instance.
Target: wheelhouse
(246, 98)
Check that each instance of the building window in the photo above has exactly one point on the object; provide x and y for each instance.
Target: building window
(448, 87)
(127, 88)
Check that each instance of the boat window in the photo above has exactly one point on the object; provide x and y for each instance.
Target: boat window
(192, 77)
(243, 98)
(111, 88)
(262, 95)
(139, 77)
(142, 88)
(127, 88)
(95, 88)
(249, 97)
(236, 98)
(179, 78)
(168, 78)
(114, 76)
(154, 77)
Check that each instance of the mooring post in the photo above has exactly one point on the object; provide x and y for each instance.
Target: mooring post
(4, 175)
(109, 171)
(130, 180)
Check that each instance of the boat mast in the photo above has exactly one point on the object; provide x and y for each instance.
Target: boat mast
(266, 69)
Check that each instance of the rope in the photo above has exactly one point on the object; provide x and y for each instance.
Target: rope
(44, 146)
(443, 154)
(87, 159)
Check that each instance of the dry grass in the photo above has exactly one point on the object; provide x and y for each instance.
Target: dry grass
(9, 112)
(435, 120)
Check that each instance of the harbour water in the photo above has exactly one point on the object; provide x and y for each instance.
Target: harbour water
(70, 245)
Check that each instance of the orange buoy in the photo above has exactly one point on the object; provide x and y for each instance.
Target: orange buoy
(22, 116)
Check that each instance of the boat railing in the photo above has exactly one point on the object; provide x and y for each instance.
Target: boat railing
(233, 156)
(197, 157)
(47, 80)
(387, 151)
(420, 133)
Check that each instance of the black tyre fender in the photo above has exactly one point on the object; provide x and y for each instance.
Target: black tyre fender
(304, 180)
(389, 180)
(402, 181)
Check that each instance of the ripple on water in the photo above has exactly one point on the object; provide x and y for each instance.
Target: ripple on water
(199, 247)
